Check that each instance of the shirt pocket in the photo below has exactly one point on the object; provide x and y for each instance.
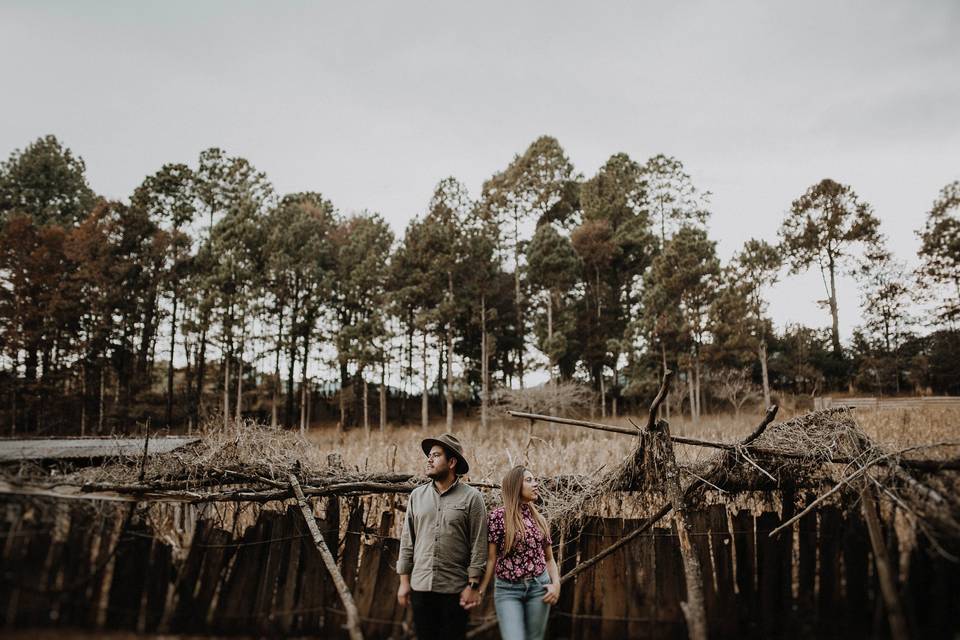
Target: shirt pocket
(455, 514)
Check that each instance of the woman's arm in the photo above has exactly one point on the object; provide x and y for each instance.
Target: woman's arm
(491, 567)
(553, 589)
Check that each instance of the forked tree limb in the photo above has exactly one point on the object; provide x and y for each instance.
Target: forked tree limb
(658, 399)
(694, 609)
(353, 616)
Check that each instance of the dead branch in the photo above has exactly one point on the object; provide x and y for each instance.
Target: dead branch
(353, 617)
(694, 609)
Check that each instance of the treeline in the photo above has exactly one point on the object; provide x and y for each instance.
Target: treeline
(207, 294)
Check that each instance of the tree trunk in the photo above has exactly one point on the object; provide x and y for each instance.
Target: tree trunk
(201, 370)
(366, 404)
(517, 294)
(83, 397)
(484, 364)
(243, 336)
(383, 395)
(762, 352)
(693, 395)
(550, 335)
(424, 398)
(101, 403)
(303, 381)
(834, 314)
(696, 383)
(449, 389)
(342, 424)
(291, 366)
(226, 389)
(603, 395)
(274, 414)
(666, 400)
(173, 340)
(613, 389)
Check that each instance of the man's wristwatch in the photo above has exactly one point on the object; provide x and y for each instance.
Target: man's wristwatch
(473, 584)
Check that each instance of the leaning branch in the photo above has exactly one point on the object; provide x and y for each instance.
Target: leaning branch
(353, 616)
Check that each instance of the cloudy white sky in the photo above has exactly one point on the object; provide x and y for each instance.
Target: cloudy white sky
(373, 103)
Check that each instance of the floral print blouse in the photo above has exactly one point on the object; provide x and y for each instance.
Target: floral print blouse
(527, 559)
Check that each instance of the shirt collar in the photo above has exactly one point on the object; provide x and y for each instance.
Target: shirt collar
(456, 481)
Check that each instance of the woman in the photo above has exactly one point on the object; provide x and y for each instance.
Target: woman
(521, 558)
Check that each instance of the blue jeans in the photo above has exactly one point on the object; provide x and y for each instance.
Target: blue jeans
(521, 612)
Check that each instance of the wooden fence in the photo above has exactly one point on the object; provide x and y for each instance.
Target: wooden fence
(99, 566)
(920, 402)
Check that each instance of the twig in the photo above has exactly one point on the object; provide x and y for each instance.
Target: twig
(742, 451)
(658, 400)
(843, 482)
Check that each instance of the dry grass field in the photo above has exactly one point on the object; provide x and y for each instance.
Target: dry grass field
(560, 449)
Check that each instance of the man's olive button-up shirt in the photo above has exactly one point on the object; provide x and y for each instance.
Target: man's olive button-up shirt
(457, 550)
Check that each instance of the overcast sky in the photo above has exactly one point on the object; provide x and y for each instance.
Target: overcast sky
(373, 103)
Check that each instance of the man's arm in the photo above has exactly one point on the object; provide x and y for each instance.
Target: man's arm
(478, 539)
(408, 537)
(470, 596)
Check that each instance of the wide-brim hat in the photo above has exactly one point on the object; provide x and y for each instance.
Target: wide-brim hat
(453, 448)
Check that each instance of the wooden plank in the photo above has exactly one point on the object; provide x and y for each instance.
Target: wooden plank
(859, 598)
(770, 573)
(75, 570)
(158, 578)
(31, 605)
(584, 605)
(805, 620)
(670, 587)
(233, 613)
(568, 549)
(640, 586)
(829, 599)
(700, 542)
(613, 582)
(312, 589)
(276, 555)
(287, 590)
(350, 561)
(126, 587)
(725, 600)
(744, 539)
(12, 556)
(377, 580)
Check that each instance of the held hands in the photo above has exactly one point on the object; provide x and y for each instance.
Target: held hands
(403, 594)
(553, 593)
(469, 598)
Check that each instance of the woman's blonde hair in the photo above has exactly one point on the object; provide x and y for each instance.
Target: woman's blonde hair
(510, 488)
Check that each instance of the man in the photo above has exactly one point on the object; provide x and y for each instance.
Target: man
(443, 548)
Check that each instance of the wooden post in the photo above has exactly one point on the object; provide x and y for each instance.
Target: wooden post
(353, 617)
(888, 589)
(694, 609)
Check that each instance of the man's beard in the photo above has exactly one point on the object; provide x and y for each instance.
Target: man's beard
(438, 473)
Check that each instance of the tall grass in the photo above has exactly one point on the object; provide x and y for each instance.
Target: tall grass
(560, 449)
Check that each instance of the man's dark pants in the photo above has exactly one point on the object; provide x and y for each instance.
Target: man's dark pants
(438, 616)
